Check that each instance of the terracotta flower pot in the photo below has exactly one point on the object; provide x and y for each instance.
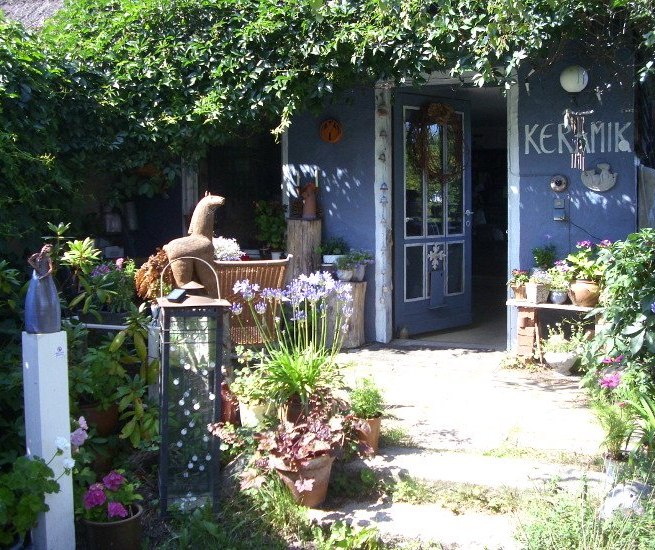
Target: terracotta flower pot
(372, 439)
(519, 292)
(584, 293)
(317, 470)
(124, 534)
(105, 421)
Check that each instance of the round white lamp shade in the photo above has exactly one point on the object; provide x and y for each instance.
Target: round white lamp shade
(574, 79)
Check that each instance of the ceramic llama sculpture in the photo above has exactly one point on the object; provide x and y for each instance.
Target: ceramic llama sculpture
(199, 245)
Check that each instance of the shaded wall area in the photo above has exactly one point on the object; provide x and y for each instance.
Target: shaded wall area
(346, 174)
(543, 144)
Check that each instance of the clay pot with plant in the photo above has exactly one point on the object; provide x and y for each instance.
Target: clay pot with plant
(517, 281)
(332, 248)
(367, 404)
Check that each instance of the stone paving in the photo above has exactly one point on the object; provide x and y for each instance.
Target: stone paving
(469, 421)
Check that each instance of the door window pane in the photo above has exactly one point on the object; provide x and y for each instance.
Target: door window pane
(455, 268)
(413, 181)
(455, 179)
(414, 272)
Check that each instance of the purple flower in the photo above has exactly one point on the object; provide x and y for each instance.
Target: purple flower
(246, 289)
(610, 381)
(237, 308)
(116, 510)
(605, 243)
(299, 316)
(95, 496)
(82, 423)
(612, 360)
(113, 480)
(260, 308)
(584, 244)
(78, 437)
(652, 307)
(100, 270)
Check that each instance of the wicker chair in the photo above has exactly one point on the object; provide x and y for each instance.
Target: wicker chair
(265, 273)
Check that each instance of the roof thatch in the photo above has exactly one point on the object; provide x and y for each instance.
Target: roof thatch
(31, 13)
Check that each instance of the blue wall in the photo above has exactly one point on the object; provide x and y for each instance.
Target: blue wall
(346, 175)
(590, 215)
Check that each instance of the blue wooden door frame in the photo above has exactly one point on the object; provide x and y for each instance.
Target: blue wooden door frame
(438, 310)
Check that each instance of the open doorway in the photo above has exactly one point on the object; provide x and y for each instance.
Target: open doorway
(488, 112)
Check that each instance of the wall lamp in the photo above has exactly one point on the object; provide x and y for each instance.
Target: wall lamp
(574, 79)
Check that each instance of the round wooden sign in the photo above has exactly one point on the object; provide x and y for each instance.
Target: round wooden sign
(331, 130)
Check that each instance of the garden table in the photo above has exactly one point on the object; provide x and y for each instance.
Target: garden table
(528, 328)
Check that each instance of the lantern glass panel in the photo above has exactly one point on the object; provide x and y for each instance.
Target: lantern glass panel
(191, 378)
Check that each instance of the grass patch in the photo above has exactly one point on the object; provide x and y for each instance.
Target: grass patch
(557, 520)
(459, 498)
(364, 484)
(518, 362)
(558, 457)
(395, 436)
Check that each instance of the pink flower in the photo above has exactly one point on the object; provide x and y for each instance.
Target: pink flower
(95, 496)
(113, 480)
(610, 381)
(116, 510)
(584, 244)
(612, 360)
(605, 242)
(82, 423)
(78, 437)
(119, 263)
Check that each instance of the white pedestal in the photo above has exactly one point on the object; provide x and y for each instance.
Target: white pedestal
(47, 416)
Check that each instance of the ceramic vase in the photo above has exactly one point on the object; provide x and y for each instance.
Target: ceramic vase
(123, 534)
(536, 293)
(584, 293)
(344, 275)
(359, 272)
(42, 307)
(561, 361)
(558, 297)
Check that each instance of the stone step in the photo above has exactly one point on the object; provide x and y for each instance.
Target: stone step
(488, 471)
(428, 523)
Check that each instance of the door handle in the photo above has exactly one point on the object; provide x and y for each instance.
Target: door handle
(468, 212)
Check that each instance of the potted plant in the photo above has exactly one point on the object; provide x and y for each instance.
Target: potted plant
(226, 249)
(544, 256)
(561, 351)
(517, 283)
(366, 403)
(345, 266)
(111, 515)
(559, 283)
(585, 272)
(299, 356)
(332, 248)
(361, 259)
(302, 454)
(271, 226)
(116, 278)
(537, 287)
(249, 386)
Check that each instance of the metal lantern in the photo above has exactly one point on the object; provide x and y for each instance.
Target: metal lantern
(191, 348)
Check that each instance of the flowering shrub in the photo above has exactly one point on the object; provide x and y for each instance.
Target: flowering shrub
(226, 249)
(584, 264)
(118, 278)
(110, 500)
(300, 349)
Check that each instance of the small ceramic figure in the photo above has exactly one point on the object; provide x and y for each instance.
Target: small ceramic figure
(42, 307)
(308, 194)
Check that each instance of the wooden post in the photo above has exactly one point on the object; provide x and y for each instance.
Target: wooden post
(354, 334)
(303, 241)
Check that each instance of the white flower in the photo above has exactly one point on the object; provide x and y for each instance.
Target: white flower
(63, 444)
(68, 463)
